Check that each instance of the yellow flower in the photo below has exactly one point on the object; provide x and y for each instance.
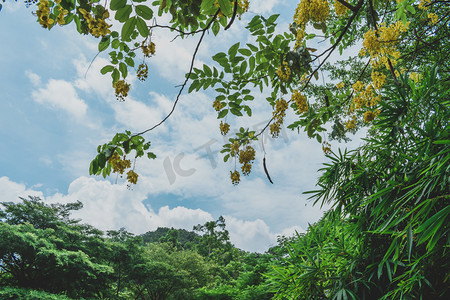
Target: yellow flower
(340, 85)
(235, 177)
(416, 77)
(149, 49)
(132, 177)
(247, 155)
(350, 124)
(142, 72)
(379, 79)
(340, 8)
(218, 105)
(284, 72)
(369, 116)
(433, 18)
(326, 147)
(300, 101)
(224, 128)
(121, 88)
(118, 164)
(358, 86)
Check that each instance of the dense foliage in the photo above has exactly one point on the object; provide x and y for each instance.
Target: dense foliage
(44, 254)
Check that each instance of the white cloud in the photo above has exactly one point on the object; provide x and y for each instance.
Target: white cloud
(91, 80)
(61, 95)
(262, 6)
(254, 236)
(34, 78)
(11, 191)
(112, 206)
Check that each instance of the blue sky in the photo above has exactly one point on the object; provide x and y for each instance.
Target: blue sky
(53, 115)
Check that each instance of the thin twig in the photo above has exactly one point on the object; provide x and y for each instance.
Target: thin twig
(185, 81)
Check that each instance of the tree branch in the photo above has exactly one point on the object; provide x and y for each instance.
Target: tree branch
(185, 81)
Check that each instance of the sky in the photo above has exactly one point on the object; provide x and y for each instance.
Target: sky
(55, 111)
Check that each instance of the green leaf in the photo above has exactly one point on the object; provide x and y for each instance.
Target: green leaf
(123, 69)
(128, 28)
(245, 52)
(222, 113)
(248, 110)
(215, 28)
(116, 4)
(107, 69)
(129, 61)
(243, 68)
(409, 241)
(233, 50)
(123, 13)
(142, 27)
(207, 70)
(144, 11)
(115, 75)
(410, 9)
(151, 155)
(104, 43)
(236, 112)
(225, 7)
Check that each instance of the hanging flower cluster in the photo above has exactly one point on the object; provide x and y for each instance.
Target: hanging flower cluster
(142, 72)
(300, 101)
(284, 72)
(97, 25)
(121, 89)
(340, 9)
(224, 128)
(43, 14)
(316, 11)
(280, 111)
(148, 49)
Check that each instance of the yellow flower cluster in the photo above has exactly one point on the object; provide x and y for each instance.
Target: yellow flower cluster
(433, 18)
(284, 72)
(378, 79)
(224, 128)
(234, 148)
(340, 8)
(61, 15)
(235, 177)
(340, 85)
(326, 147)
(246, 158)
(243, 4)
(381, 44)
(121, 88)
(424, 4)
(97, 26)
(218, 105)
(142, 72)
(43, 14)
(351, 124)
(279, 113)
(309, 10)
(132, 177)
(148, 49)
(358, 86)
(365, 95)
(416, 77)
(370, 115)
(118, 164)
(300, 101)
